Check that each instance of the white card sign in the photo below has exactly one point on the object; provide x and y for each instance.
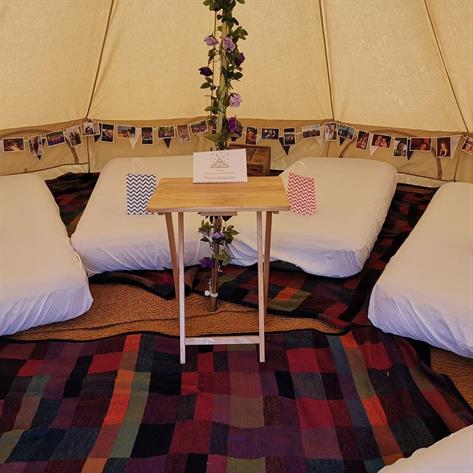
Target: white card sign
(228, 165)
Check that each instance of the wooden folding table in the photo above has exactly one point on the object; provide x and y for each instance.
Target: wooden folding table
(259, 194)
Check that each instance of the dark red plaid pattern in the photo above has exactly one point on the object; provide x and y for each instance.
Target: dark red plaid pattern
(350, 403)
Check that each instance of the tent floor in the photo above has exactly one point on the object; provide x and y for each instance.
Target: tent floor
(120, 308)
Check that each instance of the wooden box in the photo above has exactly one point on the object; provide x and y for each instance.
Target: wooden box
(258, 159)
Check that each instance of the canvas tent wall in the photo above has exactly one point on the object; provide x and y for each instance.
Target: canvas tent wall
(399, 65)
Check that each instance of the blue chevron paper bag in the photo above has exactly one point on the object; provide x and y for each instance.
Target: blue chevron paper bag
(139, 189)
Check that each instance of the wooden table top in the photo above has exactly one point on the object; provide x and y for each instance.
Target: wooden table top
(181, 195)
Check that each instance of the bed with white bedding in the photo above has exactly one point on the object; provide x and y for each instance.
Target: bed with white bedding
(41, 277)
(353, 196)
(426, 290)
(108, 239)
(451, 454)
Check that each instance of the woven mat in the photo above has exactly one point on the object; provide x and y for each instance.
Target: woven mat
(458, 369)
(120, 308)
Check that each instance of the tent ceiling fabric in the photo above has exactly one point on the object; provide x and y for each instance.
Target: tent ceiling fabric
(452, 21)
(285, 75)
(49, 54)
(151, 59)
(160, 60)
(385, 65)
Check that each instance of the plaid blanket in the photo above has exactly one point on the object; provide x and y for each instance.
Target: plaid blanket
(350, 403)
(72, 192)
(341, 302)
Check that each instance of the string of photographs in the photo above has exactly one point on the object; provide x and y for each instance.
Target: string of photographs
(103, 132)
(402, 147)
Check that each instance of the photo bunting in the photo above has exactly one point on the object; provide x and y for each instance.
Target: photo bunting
(311, 131)
(289, 136)
(55, 138)
(270, 133)
(147, 135)
(106, 132)
(13, 145)
(402, 146)
(36, 146)
(73, 135)
(468, 145)
(251, 136)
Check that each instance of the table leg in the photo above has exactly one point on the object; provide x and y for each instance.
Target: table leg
(172, 249)
(261, 284)
(267, 253)
(182, 301)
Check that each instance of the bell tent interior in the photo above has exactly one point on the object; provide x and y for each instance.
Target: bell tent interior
(161, 311)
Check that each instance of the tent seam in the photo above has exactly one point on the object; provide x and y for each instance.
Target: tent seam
(99, 65)
(445, 66)
(327, 65)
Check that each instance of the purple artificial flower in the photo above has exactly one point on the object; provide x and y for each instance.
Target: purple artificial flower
(235, 128)
(235, 100)
(210, 40)
(217, 236)
(228, 43)
(239, 60)
(205, 71)
(207, 263)
(232, 125)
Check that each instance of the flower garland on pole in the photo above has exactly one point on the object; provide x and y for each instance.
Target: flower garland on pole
(226, 55)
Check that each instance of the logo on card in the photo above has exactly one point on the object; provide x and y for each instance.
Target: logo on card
(219, 161)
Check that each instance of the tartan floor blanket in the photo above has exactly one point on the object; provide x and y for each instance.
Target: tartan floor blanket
(320, 403)
(71, 192)
(340, 302)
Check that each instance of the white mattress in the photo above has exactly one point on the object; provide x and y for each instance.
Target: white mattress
(426, 290)
(353, 197)
(108, 239)
(452, 454)
(41, 277)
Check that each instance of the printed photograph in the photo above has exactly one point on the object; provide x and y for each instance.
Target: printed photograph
(310, 131)
(147, 135)
(199, 127)
(106, 132)
(72, 135)
(362, 139)
(55, 138)
(444, 146)
(289, 136)
(400, 147)
(251, 136)
(90, 128)
(166, 132)
(383, 141)
(270, 133)
(13, 145)
(420, 144)
(125, 131)
(183, 135)
(331, 131)
(212, 126)
(347, 132)
(36, 147)
(468, 145)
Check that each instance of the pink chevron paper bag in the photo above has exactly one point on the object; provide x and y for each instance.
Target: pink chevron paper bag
(301, 194)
